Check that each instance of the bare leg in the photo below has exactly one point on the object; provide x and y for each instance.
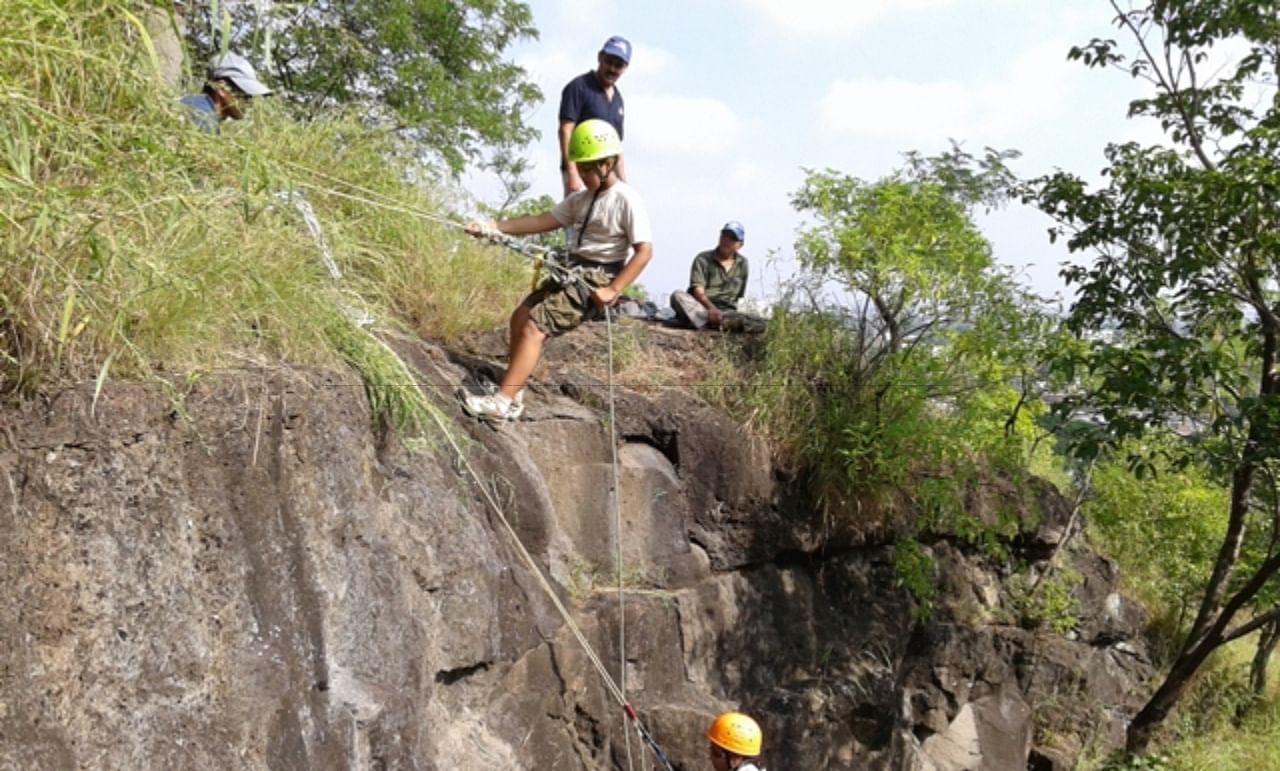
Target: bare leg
(526, 347)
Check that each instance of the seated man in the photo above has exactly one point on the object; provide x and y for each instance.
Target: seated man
(231, 83)
(717, 280)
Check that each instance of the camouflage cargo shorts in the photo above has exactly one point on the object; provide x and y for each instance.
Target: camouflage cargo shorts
(557, 309)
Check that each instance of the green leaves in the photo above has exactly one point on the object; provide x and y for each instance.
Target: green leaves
(432, 70)
(902, 368)
(906, 242)
(1177, 313)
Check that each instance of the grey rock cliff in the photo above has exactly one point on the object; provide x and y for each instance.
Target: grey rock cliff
(261, 580)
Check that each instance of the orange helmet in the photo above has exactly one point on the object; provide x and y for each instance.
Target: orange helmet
(737, 733)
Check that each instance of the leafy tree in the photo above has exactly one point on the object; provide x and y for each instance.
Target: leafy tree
(891, 357)
(1187, 244)
(1161, 524)
(432, 70)
(906, 243)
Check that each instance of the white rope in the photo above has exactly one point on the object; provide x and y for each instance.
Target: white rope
(617, 533)
(617, 692)
(397, 207)
(611, 685)
(300, 202)
(387, 201)
(540, 256)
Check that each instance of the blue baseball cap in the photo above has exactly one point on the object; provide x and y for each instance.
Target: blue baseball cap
(618, 46)
(735, 227)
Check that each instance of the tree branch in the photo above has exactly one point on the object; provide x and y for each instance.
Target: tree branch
(1253, 625)
(1170, 87)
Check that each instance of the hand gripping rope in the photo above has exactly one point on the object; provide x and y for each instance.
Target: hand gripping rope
(555, 261)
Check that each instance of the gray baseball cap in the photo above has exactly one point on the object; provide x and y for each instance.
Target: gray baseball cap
(240, 72)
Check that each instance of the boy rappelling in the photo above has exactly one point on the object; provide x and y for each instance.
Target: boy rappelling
(612, 244)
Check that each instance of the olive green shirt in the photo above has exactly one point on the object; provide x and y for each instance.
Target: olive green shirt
(723, 287)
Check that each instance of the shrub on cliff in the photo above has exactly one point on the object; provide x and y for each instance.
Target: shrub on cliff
(904, 361)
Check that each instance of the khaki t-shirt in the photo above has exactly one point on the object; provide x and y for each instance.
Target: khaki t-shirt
(618, 220)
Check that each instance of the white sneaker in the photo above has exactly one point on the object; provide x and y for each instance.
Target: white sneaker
(492, 407)
(517, 405)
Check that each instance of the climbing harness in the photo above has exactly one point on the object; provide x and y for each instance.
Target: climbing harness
(569, 276)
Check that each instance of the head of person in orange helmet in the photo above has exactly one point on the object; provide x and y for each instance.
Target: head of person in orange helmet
(735, 741)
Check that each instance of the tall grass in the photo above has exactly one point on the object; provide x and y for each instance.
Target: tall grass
(134, 243)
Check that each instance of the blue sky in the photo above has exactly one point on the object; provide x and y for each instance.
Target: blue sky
(729, 100)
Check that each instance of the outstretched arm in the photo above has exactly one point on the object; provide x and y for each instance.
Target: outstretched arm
(520, 226)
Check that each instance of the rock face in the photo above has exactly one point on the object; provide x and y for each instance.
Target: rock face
(258, 579)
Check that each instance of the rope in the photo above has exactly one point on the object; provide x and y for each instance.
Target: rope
(610, 685)
(542, 256)
(617, 530)
(387, 201)
(539, 254)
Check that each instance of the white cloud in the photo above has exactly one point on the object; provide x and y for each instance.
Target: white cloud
(1032, 92)
(744, 173)
(574, 19)
(649, 63)
(670, 124)
(833, 18)
(552, 68)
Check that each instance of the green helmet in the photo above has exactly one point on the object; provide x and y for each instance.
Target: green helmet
(592, 140)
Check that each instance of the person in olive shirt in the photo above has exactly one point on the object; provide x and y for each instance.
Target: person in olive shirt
(717, 280)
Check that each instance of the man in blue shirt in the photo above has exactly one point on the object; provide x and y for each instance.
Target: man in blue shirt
(594, 95)
(232, 83)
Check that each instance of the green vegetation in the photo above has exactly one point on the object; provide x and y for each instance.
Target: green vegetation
(1049, 604)
(902, 381)
(433, 72)
(899, 378)
(137, 246)
(916, 572)
(1220, 725)
(1162, 530)
(1186, 256)
(1163, 526)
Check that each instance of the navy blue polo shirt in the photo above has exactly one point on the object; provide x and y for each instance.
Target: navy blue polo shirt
(584, 98)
